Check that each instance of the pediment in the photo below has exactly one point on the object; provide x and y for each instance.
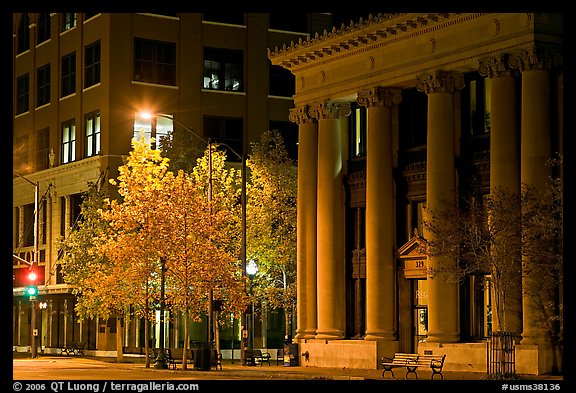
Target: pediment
(413, 248)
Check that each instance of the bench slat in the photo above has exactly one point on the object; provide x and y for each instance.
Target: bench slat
(412, 361)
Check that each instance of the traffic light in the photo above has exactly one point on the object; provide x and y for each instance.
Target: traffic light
(32, 288)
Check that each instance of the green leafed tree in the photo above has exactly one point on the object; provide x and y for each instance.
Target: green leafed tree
(271, 218)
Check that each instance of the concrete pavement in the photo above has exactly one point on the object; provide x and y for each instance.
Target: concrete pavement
(90, 368)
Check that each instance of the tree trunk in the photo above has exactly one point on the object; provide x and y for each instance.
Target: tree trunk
(186, 344)
(147, 340)
(119, 333)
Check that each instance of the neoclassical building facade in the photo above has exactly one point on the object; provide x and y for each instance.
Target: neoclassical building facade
(401, 111)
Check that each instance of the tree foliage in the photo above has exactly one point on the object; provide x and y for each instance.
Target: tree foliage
(271, 211)
(507, 235)
(160, 216)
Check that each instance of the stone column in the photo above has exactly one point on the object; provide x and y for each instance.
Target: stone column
(443, 306)
(380, 219)
(306, 313)
(330, 236)
(505, 180)
(535, 173)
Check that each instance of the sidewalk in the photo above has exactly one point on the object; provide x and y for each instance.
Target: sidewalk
(237, 371)
(88, 367)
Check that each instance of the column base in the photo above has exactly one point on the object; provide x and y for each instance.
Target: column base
(305, 335)
(442, 337)
(380, 335)
(329, 334)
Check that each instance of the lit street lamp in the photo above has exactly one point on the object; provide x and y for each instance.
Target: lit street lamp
(251, 270)
(34, 262)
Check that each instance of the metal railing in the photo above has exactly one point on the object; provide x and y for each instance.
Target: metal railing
(501, 355)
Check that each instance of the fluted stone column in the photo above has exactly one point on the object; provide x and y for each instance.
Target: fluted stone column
(443, 306)
(505, 177)
(331, 235)
(380, 220)
(306, 314)
(535, 152)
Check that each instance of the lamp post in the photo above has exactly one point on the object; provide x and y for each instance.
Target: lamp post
(251, 270)
(161, 358)
(33, 347)
(242, 157)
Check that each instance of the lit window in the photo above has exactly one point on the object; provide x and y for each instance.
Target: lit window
(68, 141)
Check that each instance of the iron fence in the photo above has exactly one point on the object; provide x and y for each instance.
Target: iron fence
(501, 355)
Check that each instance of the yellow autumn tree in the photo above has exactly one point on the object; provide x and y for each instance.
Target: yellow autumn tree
(170, 217)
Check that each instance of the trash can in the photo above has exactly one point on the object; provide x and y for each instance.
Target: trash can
(202, 356)
(291, 355)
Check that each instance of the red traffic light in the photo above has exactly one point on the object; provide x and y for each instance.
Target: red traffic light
(32, 276)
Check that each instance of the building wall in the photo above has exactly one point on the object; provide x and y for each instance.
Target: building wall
(118, 98)
(375, 63)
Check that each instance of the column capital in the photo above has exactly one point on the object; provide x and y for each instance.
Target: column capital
(379, 96)
(440, 82)
(301, 115)
(535, 58)
(496, 66)
(329, 110)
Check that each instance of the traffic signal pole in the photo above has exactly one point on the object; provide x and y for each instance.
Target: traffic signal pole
(34, 265)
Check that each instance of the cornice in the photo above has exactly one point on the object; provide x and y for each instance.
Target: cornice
(374, 30)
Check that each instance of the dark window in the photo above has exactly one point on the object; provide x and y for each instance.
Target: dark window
(476, 105)
(92, 64)
(289, 132)
(92, 130)
(44, 27)
(68, 141)
(43, 85)
(69, 74)
(413, 114)
(154, 61)
(22, 94)
(68, 20)
(223, 69)
(233, 18)
(43, 149)
(24, 34)
(282, 82)
(357, 127)
(20, 155)
(228, 131)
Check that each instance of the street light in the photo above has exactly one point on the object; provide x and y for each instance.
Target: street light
(251, 270)
(242, 158)
(33, 350)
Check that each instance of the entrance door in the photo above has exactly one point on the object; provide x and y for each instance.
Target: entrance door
(420, 313)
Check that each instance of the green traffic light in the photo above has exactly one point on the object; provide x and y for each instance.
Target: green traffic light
(32, 291)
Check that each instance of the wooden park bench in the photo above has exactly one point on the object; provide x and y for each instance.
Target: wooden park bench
(412, 361)
(280, 356)
(261, 357)
(256, 356)
(73, 349)
(174, 357)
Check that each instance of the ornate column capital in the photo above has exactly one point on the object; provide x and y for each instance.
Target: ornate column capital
(379, 96)
(301, 115)
(535, 58)
(496, 66)
(329, 110)
(440, 82)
